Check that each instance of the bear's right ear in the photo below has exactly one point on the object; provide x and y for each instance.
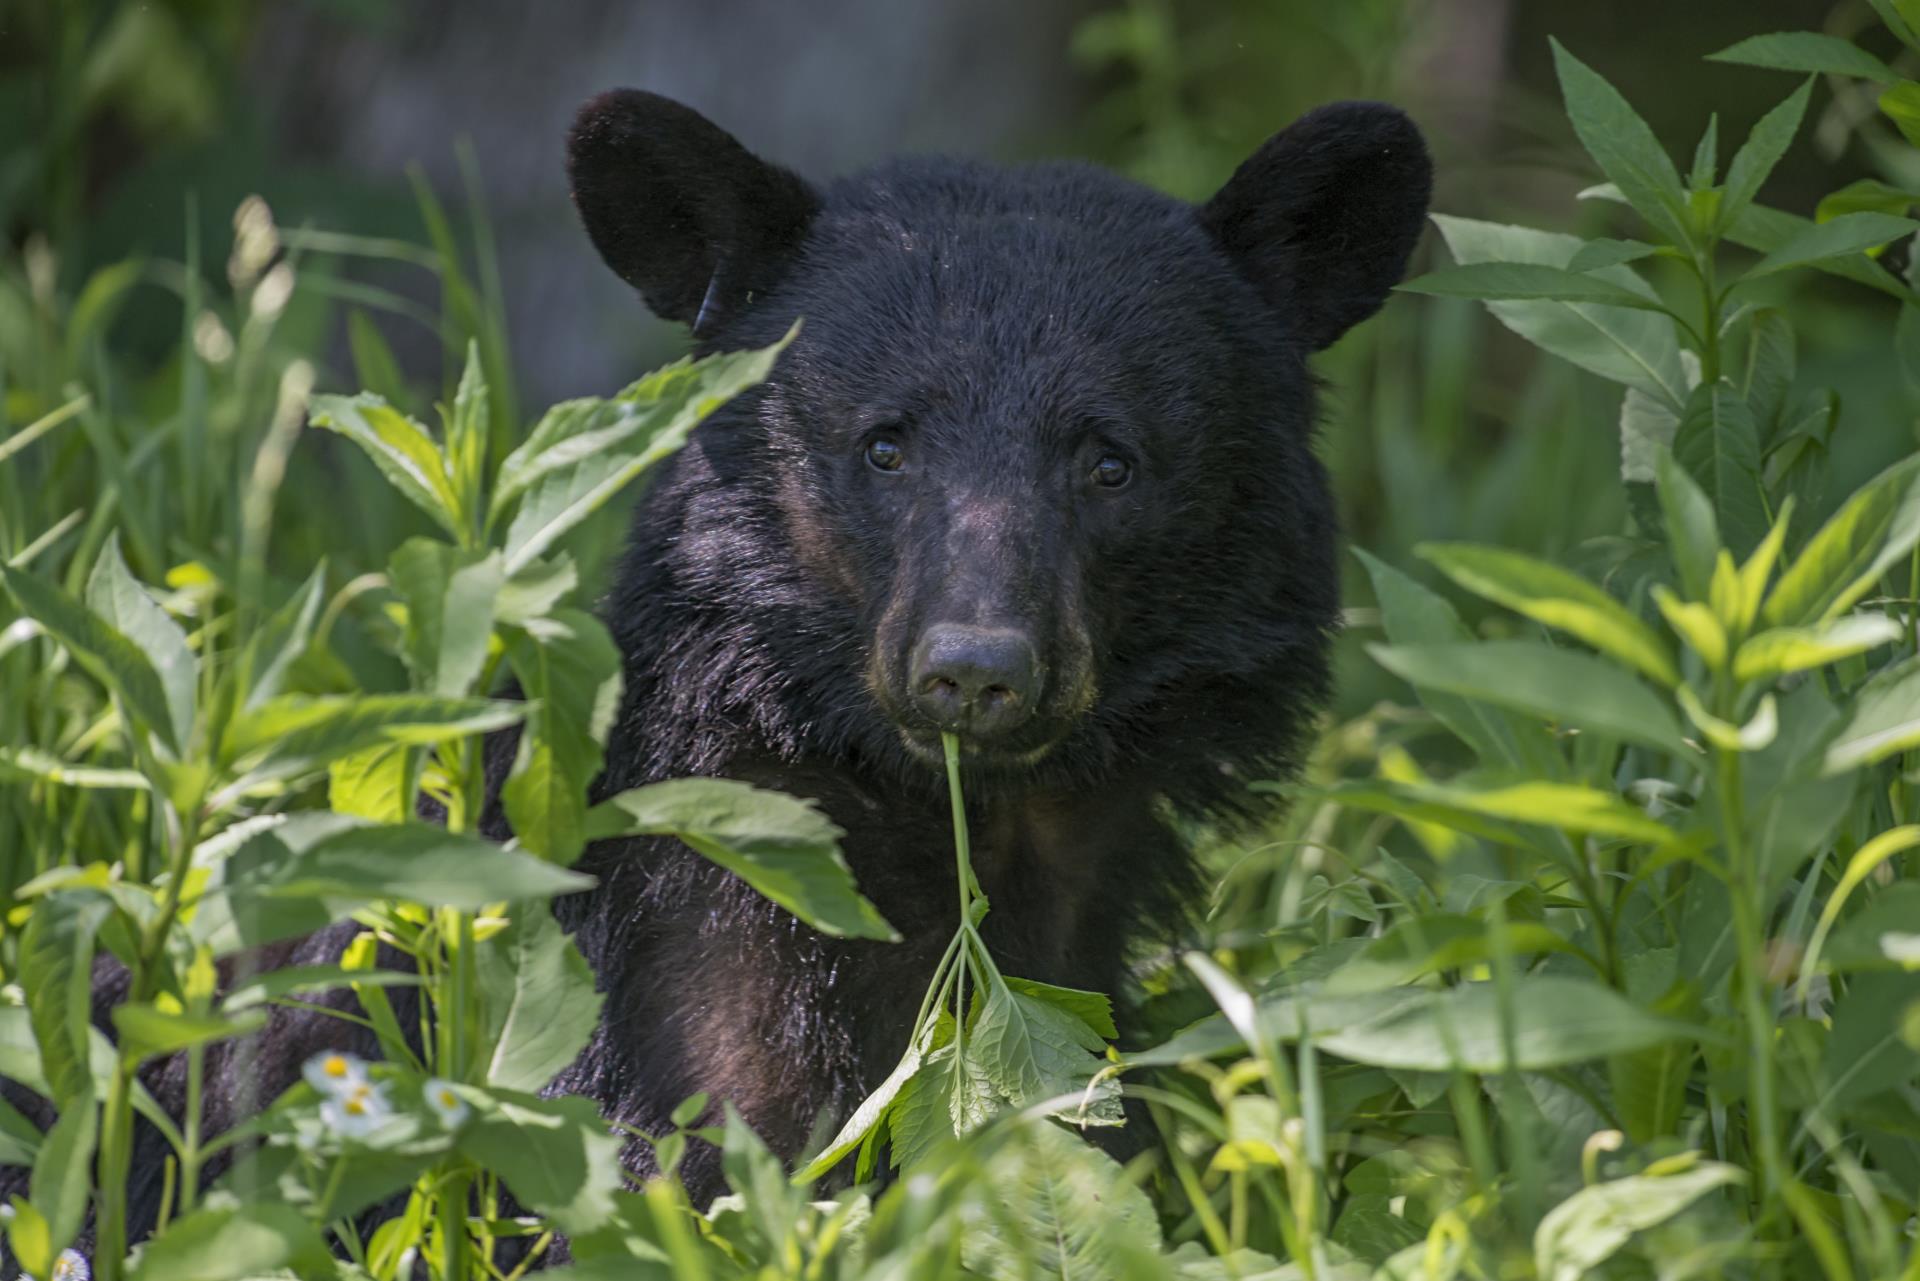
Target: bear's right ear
(1322, 218)
(679, 209)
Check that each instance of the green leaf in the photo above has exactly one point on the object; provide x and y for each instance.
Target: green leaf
(307, 870)
(1068, 1211)
(418, 862)
(114, 660)
(1865, 1054)
(1885, 719)
(1692, 532)
(1807, 51)
(1486, 809)
(146, 1030)
(1556, 1021)
(299, 980)
(55, 971)
(1032, 1050)
(1557, 597)
(282, 638)
(118, 599)
(1759, 731)
(1862, 940)
(29, 762)
(374, 366)
(555, 1155)
(1873, 529)
(869, 1114)
(1761, 152)
(371, 783)
(1845, 236)
(1412, 614)
(1901, 104)
(782, 846)
(571, 670)
(467, 431)
(294, 733)
(234, 1244)
(401, 448)
(1706, 158)
(1625, 149)
(1866, 195)
(1590, 1226)
(31, 1239)
(1719, 446)
(1767, 370)
(62, 1179)
(1766, 230)
(1696, 624)
(541, 1004)
(1637, 348)
(1647, 427)
(595, 465)
(1900, 17)
(1574, 689)
(1095, 1009)
(1417, 946)
(1517, 280)
(1781, 650)
(449, 595)
(1604, 251)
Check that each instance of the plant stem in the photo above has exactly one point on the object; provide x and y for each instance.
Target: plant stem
(1710, 319)
(1743, 883)
(455, 1249)
(115, 1158)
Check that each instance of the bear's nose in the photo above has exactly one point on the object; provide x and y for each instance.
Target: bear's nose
(977, 681)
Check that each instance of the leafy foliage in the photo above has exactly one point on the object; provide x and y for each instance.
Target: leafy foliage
(1592, 954)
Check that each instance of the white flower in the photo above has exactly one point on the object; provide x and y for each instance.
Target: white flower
(335, 1072)
(446, 1103)
(71, 1266)
(356, 1112)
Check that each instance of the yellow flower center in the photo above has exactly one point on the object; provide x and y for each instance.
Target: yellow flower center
(335, 1065)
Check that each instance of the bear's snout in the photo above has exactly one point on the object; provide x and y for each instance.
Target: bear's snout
(976, 681)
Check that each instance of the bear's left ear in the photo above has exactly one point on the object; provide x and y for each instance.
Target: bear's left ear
(679, 209)
(1323, 217)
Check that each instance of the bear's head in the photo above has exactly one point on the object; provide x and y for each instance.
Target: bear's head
(1037, 469)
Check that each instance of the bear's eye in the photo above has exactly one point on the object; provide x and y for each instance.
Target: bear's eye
(885, 454)
(1112, 471)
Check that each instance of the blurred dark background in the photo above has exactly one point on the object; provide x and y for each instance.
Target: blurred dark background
(114, 112)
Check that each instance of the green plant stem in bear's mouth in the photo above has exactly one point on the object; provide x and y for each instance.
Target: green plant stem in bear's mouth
(980, 1053)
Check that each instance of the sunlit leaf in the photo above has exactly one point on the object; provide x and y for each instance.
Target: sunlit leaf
(1885, 718)
(403, 451)
(1590, 1226)
(541, 1004)
(1574, 689)
(1557, 597)
(782, 846)
(1874, 528)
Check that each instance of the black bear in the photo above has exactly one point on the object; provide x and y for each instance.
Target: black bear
(1039, 469)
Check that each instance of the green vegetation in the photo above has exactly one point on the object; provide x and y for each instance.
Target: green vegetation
(1591, 948)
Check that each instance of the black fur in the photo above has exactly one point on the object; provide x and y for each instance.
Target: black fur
(1006, 328)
